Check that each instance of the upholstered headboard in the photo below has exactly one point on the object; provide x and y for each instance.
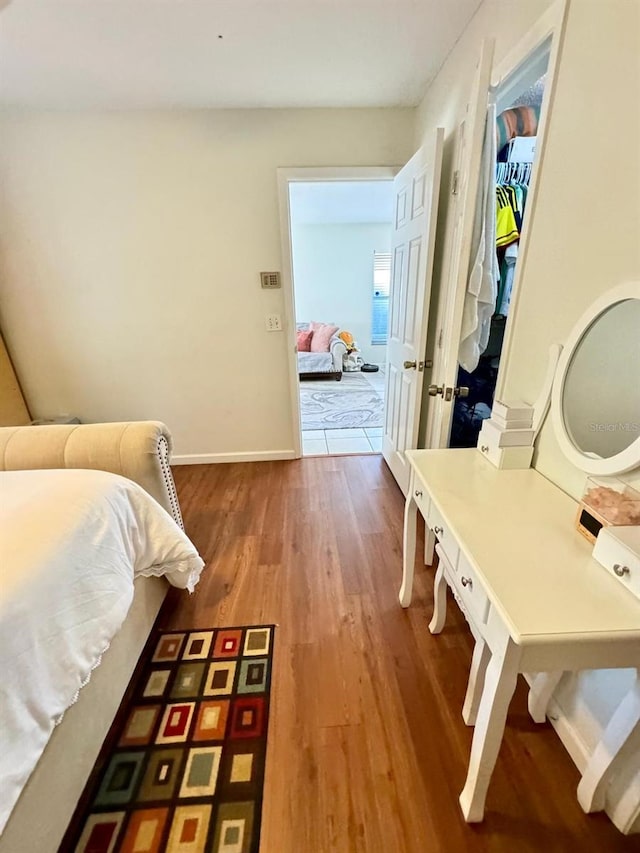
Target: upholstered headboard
(138, 450)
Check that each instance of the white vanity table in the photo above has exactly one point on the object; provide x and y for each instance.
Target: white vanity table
(535, 599)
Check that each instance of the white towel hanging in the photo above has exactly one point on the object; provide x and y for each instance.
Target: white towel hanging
(482, 287)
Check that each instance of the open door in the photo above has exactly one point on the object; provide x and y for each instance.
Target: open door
(417, 188)
(469, 153)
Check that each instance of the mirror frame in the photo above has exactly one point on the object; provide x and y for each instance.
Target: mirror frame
(625, 460)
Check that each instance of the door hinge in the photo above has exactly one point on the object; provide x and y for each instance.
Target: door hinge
(455, 182)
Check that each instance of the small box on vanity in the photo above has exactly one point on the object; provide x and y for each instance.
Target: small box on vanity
(607, 502)
(525, 423)
(507, 457)
(500, 436)
(506, 439)
(503, 456)
(508, 412)
(504, 446)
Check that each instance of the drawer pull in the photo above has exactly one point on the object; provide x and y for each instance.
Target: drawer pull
(484, 448)
(438, 530)
(418, 493)
(467, 582)
(621, 571)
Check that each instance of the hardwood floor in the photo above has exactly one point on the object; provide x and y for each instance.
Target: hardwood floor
(367, 747)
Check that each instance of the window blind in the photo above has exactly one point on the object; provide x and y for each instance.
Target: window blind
(380, 300)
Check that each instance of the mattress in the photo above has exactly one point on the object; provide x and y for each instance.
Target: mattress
(71, 544)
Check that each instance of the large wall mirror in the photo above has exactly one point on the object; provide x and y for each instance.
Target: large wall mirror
(596, 393)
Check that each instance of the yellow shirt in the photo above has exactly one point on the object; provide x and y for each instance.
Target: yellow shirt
(506, 227)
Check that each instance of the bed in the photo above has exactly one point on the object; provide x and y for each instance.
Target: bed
(91, 537)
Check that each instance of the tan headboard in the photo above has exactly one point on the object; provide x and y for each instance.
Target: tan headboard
(139, 450)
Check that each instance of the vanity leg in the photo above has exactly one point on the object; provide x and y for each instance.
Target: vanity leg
(429, 545)
(623, 728)
(540, 693)
(439, 601)
(479, 663)
(500, 683)
(408, 549)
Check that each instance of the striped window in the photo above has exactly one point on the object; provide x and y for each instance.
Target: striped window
(380, 303)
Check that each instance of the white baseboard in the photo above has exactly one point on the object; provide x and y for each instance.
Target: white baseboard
(216, 458)
(569, 735)
(623, 812)
(571, 738)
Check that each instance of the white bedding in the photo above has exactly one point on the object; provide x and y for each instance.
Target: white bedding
(71, 544)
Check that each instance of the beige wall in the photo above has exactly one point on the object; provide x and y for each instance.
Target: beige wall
(129, 257)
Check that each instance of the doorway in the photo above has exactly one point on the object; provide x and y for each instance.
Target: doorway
(535, 55)
(518, 104)
(340, 254)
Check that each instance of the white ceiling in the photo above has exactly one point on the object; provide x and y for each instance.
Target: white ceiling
(273, 53)
(338, 202)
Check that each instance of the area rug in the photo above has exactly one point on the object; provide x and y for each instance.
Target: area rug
(353, 402)
(185, 770)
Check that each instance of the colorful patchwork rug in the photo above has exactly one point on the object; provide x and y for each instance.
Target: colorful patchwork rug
(185, 769)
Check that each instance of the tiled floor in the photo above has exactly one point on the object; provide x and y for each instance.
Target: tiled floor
(333, 442)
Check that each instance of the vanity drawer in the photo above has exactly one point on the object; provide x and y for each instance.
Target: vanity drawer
(618, 550)
(471, 590)
(450, 574)
(443, 534)
(421, 497)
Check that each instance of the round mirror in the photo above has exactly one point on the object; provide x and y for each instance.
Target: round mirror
(596, 393)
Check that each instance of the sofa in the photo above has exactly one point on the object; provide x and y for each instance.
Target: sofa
(322, 365)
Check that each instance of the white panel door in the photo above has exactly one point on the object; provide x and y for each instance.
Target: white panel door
(417, 188)
(469, 148)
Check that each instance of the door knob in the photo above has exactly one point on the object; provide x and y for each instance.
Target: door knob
(434, 390)
(461, 391)
(410, 365)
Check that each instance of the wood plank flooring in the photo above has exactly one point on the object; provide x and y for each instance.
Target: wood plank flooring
(367, 747)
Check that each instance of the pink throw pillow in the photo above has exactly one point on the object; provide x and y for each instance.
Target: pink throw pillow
(303, 340)
(322, 334)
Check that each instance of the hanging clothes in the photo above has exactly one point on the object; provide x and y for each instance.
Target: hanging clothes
(482, 286)
(507, 274)
(507, 230)
(511, 198)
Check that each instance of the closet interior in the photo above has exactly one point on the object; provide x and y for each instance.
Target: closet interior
(516, 126)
